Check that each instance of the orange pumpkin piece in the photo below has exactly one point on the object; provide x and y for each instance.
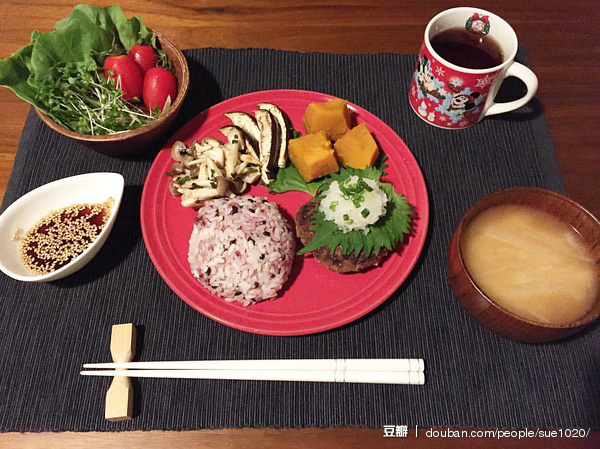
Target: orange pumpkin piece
(357, 148)
(313, 156)
(333, 117)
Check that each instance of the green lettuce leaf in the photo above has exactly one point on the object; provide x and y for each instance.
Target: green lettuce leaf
(77, 42)
(128, 32)
(388, 232)
(85, 37)
(15, 70)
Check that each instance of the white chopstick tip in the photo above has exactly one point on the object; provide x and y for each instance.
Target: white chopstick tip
(417, 378)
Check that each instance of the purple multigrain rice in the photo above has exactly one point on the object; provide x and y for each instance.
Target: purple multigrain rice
(245, 255)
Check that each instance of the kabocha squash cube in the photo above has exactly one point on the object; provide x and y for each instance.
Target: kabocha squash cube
(313, 156)
(357, 148)
(333, 117)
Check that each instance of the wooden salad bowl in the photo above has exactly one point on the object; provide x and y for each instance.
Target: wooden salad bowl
(481, 307)
(130, 143)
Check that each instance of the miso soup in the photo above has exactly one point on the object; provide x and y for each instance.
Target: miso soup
(531, 264)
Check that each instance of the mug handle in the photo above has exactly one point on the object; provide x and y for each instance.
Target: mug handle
(528, 77)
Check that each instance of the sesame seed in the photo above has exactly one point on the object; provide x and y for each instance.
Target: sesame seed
(62, 235)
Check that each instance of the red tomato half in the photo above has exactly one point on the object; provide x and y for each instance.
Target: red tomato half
(144, 56)
(126, 74)
(158, 85)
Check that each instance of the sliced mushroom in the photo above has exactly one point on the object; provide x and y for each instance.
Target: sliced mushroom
(252, 148)
(217, 155)
(249, 159)
(194, 147)
(251, 176)
(213, 169)
(201, 159)
(177, 168)
(246, 122)
(194, 198)
(269, 144)
(193, 171)
(238, 186)
(231, 161)
(234, 134)
(173, 189)
(210, 168)
(202, 148)
(247, 143)
(180, 152)
(222, 186)
(203, 171)
(241, 168)
(283, 123)
(198, 183)
(215, 143)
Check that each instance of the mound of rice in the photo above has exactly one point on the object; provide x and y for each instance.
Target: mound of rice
(241, 249)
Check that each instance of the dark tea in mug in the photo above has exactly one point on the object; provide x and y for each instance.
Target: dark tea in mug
(467, 49)
(465, 56)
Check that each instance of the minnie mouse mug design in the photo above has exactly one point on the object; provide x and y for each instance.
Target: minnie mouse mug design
(452, 97)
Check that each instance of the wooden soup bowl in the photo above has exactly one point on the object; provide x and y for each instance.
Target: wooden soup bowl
(130, 143)
(481, 307)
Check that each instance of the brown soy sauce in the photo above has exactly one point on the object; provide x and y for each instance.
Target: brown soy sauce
(61, 236)
(467, 49)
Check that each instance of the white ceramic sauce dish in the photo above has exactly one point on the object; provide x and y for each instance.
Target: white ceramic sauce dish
(24, 213)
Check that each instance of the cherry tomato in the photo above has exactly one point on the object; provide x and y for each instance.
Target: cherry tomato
(144, 56)
(158, 85)
(126, 74)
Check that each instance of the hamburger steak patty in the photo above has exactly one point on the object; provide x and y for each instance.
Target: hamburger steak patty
(337, 261)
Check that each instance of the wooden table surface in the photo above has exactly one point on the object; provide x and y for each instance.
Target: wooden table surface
(562, 40)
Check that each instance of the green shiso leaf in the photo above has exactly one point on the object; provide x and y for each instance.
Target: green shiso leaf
(374, 172)
(387, 233)
(288, 179)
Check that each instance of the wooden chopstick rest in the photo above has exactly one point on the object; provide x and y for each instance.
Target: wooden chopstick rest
(119, 397)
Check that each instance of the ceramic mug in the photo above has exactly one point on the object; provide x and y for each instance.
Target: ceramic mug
(452, 97)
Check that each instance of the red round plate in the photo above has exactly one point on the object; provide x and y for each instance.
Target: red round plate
(315, 299)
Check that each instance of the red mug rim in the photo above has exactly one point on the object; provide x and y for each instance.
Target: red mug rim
(509, 59)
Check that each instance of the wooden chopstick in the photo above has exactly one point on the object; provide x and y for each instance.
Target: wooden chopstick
(415, 365)
(343, 376)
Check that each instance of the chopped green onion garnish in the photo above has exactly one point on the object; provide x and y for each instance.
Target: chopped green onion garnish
(365, 212)
(334, 205)
(182, 180)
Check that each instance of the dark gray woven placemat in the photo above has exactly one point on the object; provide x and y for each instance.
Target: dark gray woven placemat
(474, 378)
